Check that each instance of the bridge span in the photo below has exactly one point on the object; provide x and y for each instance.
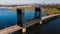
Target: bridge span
(46, 19)
(30, 23)
(16, 27)
(21, 25)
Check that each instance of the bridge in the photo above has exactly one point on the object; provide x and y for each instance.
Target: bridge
(17, 27)
(49, 18)
(30, 23)
(45, 17)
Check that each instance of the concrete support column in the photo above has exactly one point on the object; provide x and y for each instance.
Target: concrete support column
(24, 30)
(37, 12)
(20, 17)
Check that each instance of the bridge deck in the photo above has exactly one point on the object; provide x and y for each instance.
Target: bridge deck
(15, 27)
(45, 17)
(33, 22)
(10, 29)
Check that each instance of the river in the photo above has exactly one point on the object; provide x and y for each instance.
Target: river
(52, 27)
(9, 17)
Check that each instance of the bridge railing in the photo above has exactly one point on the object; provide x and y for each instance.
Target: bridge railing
(46, 19)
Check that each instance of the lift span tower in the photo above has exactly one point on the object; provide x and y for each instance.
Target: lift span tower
(24, 17)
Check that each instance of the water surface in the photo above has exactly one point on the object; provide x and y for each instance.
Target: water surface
(9, 17)
(52, 27)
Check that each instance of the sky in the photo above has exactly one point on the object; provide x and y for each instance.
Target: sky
(10, 2)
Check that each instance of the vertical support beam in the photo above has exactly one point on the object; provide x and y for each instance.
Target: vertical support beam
(37, 12)
(20, 17)
(24, 30)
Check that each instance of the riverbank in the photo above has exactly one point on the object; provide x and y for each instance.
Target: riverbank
(51, 11)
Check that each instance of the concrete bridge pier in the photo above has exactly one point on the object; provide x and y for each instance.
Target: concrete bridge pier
(20, 20)
(20, 17)
(37, 12)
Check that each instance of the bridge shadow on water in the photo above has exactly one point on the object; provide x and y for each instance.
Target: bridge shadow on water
(34, 29)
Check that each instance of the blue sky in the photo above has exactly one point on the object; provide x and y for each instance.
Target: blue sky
(28, 1)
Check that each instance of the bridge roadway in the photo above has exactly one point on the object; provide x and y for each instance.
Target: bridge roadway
(46, 17)
(15, 27)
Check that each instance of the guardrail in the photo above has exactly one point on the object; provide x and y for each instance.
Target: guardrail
(10, 29)
(16, 27)
(46, 19)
